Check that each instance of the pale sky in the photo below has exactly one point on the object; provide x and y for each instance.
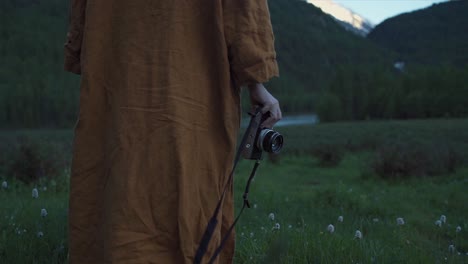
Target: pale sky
(378, 10)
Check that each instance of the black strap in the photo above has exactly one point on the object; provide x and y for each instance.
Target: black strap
(247, 186)
(211, 226)
(246, 203)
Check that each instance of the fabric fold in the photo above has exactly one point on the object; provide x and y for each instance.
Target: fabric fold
(158, 123)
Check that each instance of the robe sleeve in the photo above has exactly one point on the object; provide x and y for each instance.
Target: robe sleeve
(250, 41)
(74, 36)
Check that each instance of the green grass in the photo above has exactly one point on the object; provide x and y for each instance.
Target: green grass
(21, 222)
(304, 197)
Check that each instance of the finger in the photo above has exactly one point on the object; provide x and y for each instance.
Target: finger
(275, 112)
(265, 108)
(268, 123)
(271, 121)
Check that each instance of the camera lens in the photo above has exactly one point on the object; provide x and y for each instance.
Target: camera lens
(270, 141)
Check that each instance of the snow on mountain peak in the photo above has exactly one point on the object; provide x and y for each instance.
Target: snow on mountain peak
(355, 22)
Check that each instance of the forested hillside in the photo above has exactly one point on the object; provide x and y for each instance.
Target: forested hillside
(312, 47)
(323, 68)
(35, 92)
(432, 80)
(434, 35)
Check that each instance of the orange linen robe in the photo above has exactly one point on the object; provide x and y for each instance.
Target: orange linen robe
(159, 117)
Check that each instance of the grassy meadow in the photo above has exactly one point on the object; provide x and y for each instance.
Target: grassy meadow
(354, 176)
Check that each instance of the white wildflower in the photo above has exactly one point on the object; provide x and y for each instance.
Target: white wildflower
(289, 226)
(43, 212)
(340, 218)
(375, 220)
(35, 193)
(40, 234)
(4, 185)
(271, 216)
(331, 228)
(255, 206)
(358, 234)
(438, 223)
(251, 234)
(277, 226)
(443, 219)
(400, 221)
(458, 229)
(451, 249)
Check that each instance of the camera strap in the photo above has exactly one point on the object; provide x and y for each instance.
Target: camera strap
(201, 251)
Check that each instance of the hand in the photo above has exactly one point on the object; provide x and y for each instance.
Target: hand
(259, 96)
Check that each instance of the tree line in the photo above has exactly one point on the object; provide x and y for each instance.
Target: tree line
(323, 68)
(420, 91)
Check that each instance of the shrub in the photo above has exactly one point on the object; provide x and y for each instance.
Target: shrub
(398, 159)
(329, 155)
(32, 161)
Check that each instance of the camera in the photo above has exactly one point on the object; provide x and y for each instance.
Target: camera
(260, 139)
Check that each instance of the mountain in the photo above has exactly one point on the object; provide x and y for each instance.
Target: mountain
(35, 92)
(434, 35)
(347, 18)
(324, 68)
(311, 47)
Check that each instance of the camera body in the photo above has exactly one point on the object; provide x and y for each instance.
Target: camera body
(260, 139)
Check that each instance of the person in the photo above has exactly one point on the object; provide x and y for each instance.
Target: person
(159, 115)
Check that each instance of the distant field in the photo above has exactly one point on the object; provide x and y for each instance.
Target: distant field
(304, 198)
(367, 135)
(300, 139)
